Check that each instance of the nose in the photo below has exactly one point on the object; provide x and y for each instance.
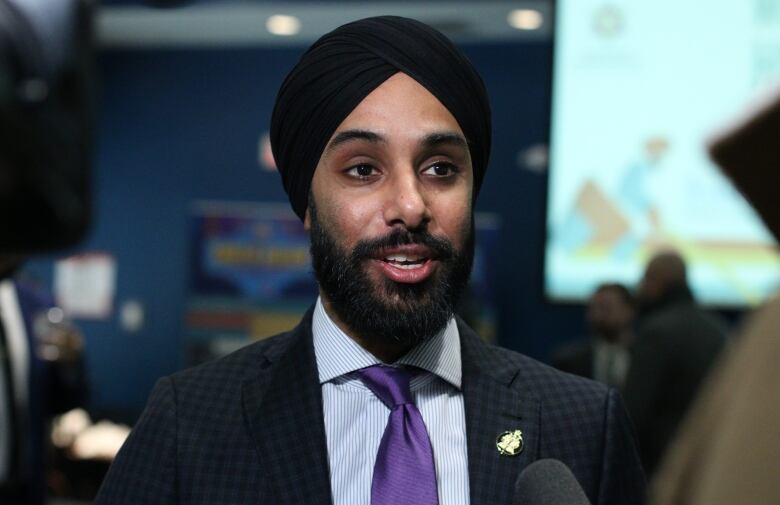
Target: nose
(406, 202)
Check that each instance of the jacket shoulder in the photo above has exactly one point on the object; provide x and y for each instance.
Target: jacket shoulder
(230, 371)
(572, 419)
(530, 376)
(561, 393)
(585, 425)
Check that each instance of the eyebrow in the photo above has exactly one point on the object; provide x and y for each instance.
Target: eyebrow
(443, 138)
(429, 141)
(353, 135)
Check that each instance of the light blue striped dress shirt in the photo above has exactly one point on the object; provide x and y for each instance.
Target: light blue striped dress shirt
(355, 419)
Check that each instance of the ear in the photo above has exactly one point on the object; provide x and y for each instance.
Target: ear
(307, 221)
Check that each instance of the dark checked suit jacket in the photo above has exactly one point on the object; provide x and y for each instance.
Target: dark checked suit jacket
(248, 429)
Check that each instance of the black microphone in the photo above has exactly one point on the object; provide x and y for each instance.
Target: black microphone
(548, 482)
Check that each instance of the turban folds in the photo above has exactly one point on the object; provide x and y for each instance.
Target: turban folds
(339, 70)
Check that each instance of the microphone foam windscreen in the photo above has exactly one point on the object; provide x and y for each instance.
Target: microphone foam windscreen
(548, 482)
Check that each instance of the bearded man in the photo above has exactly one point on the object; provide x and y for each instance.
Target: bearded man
(381, 395)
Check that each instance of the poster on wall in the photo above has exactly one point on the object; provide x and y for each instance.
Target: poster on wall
(251, 276)
(85, 284)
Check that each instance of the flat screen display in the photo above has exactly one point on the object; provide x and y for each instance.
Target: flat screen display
(638, 87)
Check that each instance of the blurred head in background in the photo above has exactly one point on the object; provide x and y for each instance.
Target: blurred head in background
(611, 312)
(665, 279)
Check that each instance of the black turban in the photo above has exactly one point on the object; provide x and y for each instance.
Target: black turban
(347, 64)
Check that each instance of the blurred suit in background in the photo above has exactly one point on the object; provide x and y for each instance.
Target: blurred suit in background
(41, 374)
(729, 444)
(677, 343)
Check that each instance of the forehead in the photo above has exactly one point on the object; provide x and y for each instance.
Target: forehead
(402, 107)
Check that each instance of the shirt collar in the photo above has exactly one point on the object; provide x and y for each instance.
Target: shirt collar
(337, 354)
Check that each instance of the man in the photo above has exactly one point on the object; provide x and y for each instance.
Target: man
(676, 344)
(381, 134)
(603, 357)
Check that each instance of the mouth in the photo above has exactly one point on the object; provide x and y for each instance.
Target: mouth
(407, 264)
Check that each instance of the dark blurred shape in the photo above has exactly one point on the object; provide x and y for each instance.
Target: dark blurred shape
(748, 154)
(604, 355)
(46, 123)
(676, 344)
(727, 448)
(46, 128)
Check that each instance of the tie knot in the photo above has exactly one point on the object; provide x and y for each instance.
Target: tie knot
(389, 384)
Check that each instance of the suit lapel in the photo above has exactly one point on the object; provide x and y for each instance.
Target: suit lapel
(494, 405)
(283, 409)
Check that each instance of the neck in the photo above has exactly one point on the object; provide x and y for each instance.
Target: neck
(386, 351)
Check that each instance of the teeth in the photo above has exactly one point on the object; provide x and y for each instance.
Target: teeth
(402, 258)
(409, 266)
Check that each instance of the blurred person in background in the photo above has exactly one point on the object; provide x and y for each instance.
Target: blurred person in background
(41, 375)
(676, 344)
(605, 355)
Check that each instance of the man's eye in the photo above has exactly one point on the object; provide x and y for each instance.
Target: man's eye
(361, 171)
(441, 169)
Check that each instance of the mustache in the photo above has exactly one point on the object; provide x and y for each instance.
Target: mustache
(369, 248)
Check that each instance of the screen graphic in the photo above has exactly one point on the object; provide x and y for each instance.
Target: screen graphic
(639, 86)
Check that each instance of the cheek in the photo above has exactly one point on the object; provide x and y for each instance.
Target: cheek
(454, 219)
(349, 220)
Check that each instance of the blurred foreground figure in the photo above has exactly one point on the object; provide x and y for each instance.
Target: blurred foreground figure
(727, 449)
(603, 357)
(676, 344)
(45, 152)
(46, 125)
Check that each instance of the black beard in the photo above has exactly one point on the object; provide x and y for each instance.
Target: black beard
(404, 313)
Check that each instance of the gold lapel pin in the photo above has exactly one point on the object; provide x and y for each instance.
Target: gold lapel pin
(510, 443)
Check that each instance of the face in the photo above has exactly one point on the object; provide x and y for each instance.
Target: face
(609, 314)
(390, 215)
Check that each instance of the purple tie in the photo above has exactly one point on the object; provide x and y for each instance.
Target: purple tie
(404, 472)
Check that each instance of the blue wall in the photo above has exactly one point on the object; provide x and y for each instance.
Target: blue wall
(178, 126)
